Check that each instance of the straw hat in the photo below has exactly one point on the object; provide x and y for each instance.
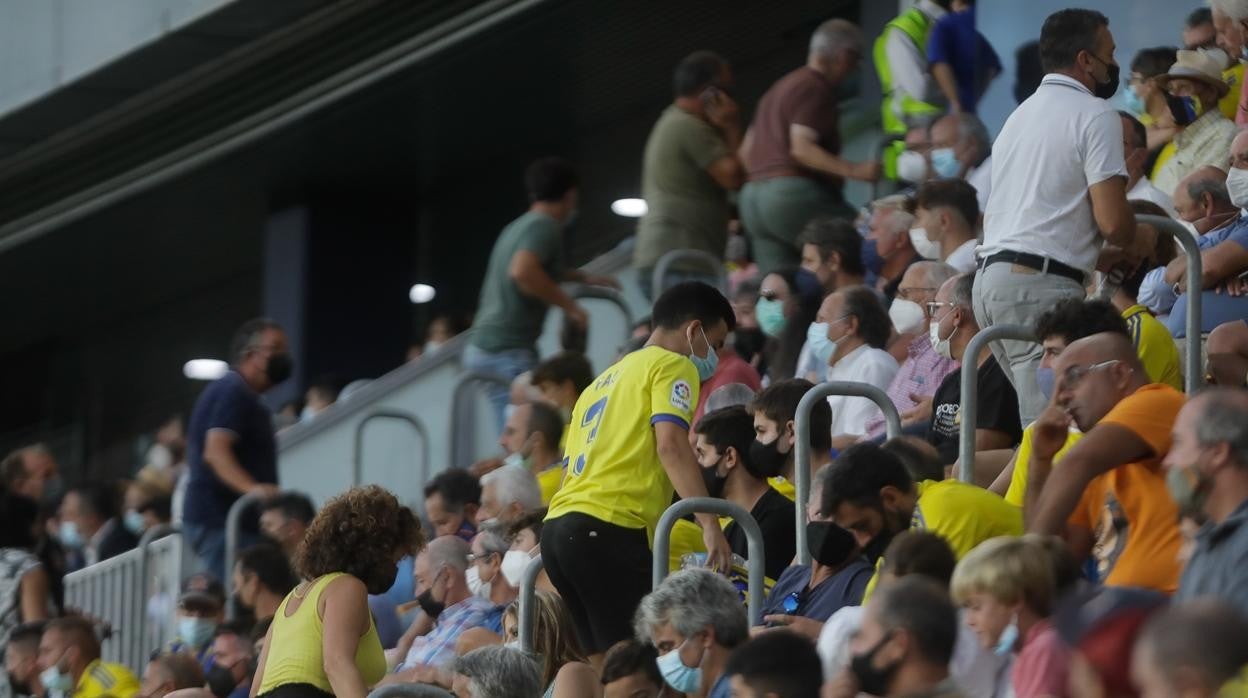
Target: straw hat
(1196, 65)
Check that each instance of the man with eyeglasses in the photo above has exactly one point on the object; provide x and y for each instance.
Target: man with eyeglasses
(1109, 495)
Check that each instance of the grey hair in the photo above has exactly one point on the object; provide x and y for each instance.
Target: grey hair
(691, 600)
(1224, 419)
(494, 539)
(447, 551)
(834, 36)
(1237, 10)
(900, 219)
(729, 395)
(935, 274)
(514, 484)
(1213, 186)
(960, 294)
(970, 127)
(496, 671)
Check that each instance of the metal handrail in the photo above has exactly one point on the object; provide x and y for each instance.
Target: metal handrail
(801, 447)
(712, 263)
(969, 412)
(459, 434)
(528, 603)
(756, 564)
(232, 520)
(1193, 376)
(402, 416)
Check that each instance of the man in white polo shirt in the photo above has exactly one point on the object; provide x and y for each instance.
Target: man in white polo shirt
(1058, 192)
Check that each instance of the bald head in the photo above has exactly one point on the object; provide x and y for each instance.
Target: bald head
(1195, 647)
(1105, 346)
(1201, 199)
(928, 274)
(1094, 374)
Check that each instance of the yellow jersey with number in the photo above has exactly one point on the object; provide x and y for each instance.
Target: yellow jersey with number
(613, 471)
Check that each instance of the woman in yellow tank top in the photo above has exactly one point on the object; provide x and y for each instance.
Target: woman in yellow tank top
(322, 641)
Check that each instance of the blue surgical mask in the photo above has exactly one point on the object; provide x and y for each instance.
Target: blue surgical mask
(196, 632)
(770, 313)
(1008, 639)
(684, 679)
(134, 522)
(56, 681)
(70, 536)
(822, 347)
(871, 258)
(945, 163)
(706, 366)
(1046, 380)
(1132, 100)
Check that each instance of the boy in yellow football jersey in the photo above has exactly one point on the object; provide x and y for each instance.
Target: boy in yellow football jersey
(627, 449)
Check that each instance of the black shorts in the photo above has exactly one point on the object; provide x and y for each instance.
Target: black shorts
(602, 571)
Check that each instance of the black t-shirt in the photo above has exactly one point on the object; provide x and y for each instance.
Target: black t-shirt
(775, 516)
(998, 409)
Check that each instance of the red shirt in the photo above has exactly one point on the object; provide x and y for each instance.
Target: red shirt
(804, 97)
(1042, 665)
(731, 369)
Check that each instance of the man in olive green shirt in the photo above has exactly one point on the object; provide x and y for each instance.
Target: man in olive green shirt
(522, 279)
(690, 165)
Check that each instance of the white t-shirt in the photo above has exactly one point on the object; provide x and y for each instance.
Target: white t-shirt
(866, 364)
(981, 178)
(1054, 146)
(1145, 191)
(963, 258)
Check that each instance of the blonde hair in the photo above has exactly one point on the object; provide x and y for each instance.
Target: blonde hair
(554, 634)
(1009, 570)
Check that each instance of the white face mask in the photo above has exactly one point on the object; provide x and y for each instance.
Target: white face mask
(1237, 186)
(926, 248)
(514, 564)
(942, 346)
(911, 167)
(907, 316)
(475, 585)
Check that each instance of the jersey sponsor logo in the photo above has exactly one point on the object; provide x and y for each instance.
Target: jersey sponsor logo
(682, 395)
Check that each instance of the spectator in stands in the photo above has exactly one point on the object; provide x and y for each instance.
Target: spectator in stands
(788, 301)
(947, 216)
(233, 662)
(923, 370)
(497, 672)
(537, 440)
(1194, 85)
(1228, 354)
(561, 379)
(920, 458)
(953, 325)
(526, 537)
(1101, 628)
(889, 237)
(962, 149)
(960, 58)
(1207, 473)
(145, 507)
(167, 673)
(522, 278)
(911, 97)
(1058, 189)
(201, 609)
(24, 581)
(630, 671)
(723, 448)
(89, 524)
(322, 393)
(792, 149)
(1112, 474)
(1198, 31)
(1190, 649)
(775, 433)
(1135, 152)
(1229, 25)
(69, 663)
(452, 499)
(21, 660)
(625, 463)
(775, 664)
(285, 518)
(1148, 101)
(230, 446)
(731, 370)
(1008, 590)
(870, 494)
(848, 337)
(695, 620)
(484, 574)
(32, 472)
(323, 635)
(262, 578)
(805, 596)
(904, 646)
(566, 672)
(689, 166)
(832, 251)
(507, 493)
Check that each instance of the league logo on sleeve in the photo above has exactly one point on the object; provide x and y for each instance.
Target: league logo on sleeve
(681, 396)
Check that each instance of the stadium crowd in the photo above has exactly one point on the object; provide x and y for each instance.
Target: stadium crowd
(1097, 548)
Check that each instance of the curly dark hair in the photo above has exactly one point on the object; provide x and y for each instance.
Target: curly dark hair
(359, 532)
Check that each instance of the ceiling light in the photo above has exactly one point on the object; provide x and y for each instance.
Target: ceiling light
(205, 369)
(629, 208)
(422, 293)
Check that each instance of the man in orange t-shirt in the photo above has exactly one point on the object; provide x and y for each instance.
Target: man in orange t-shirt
(1110, 495)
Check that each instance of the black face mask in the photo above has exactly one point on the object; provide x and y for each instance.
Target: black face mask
(221, 680)
(875, 549)
(714, 481)
(19, 688)
(1182, 109)
(748, 343)
(870, 679)
(766, 460)
(279, 368)
(1109, 88)
(829, 544)
(432, 607)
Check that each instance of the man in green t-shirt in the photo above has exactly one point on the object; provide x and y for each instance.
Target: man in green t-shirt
(522, 279)
(690, 165)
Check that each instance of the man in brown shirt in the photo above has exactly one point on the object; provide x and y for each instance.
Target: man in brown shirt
(792, 150)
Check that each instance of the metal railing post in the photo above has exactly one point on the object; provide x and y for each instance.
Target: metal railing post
(402, 416)
(232, 521)
(801, 447)
(528, 603)
(460, 434)
(756, 563)
(1193, 375)
(969, 412)
(713, 265)
(150, 536)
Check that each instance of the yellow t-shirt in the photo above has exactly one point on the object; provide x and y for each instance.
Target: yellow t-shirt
(1155, 345)
(784, 487)
(686, 538)
(549, 480)
(1167, 152)
(613, 472)
(1230, 103)
(1022, 460)
(104, 680)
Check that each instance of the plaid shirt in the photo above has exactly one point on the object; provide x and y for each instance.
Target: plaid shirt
(921, 374)
(437, 648)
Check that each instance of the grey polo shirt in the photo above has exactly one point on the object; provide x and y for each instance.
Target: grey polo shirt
(1219, 562)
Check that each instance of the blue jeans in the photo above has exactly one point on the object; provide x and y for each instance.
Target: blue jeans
(209, 546)
(508, 364)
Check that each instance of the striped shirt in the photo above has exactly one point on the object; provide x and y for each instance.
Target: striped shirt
(920, 374)
(437, 648)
